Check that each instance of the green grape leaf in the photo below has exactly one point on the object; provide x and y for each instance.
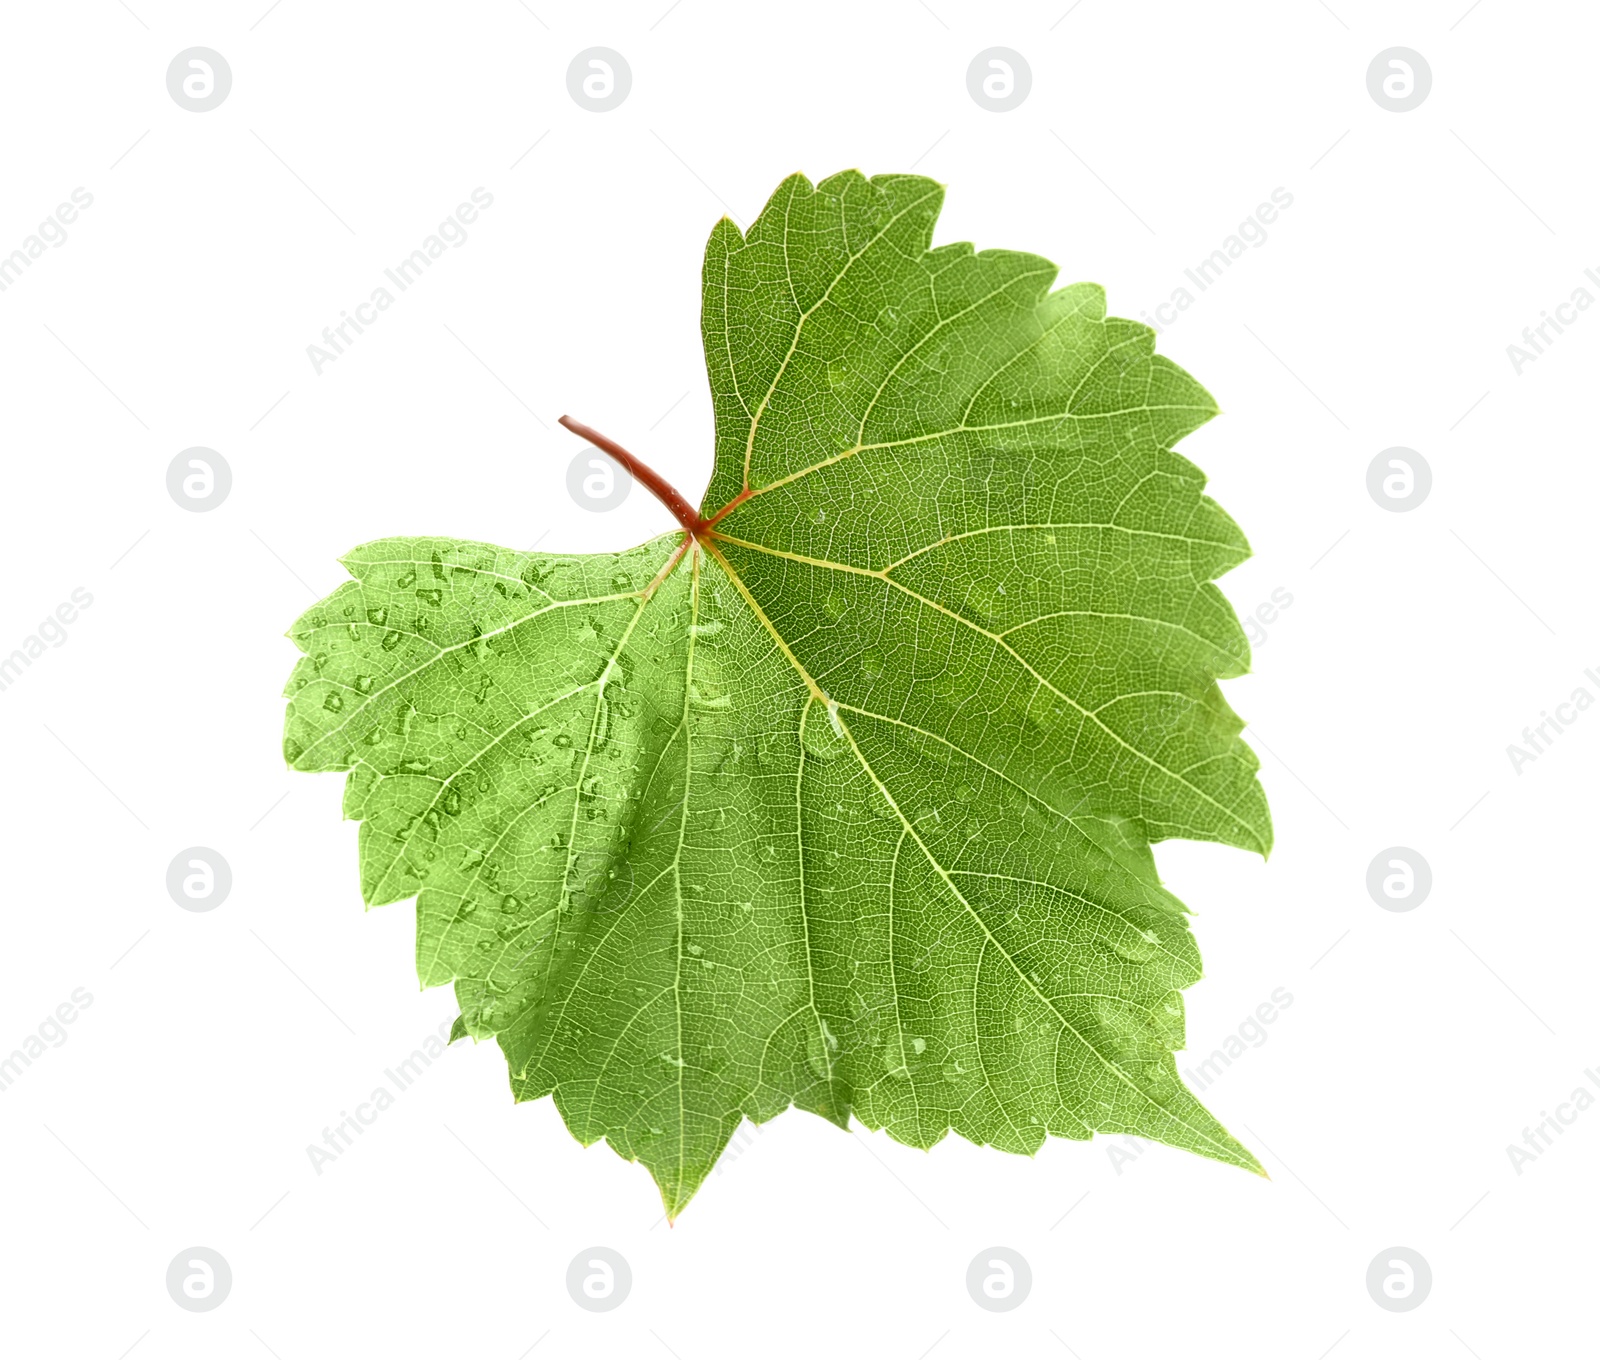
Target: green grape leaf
(842, 795)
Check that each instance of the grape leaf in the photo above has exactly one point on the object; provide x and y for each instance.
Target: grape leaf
(842, 795)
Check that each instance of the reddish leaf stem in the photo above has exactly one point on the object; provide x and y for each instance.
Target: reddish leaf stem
(734, 504)
(693, 522)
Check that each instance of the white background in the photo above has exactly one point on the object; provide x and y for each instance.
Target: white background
(219, 1045)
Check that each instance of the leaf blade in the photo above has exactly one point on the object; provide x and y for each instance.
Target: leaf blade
(849, 804)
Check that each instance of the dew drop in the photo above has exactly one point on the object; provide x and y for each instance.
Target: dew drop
(1136, 948)
(699, 700)
(823, 740)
